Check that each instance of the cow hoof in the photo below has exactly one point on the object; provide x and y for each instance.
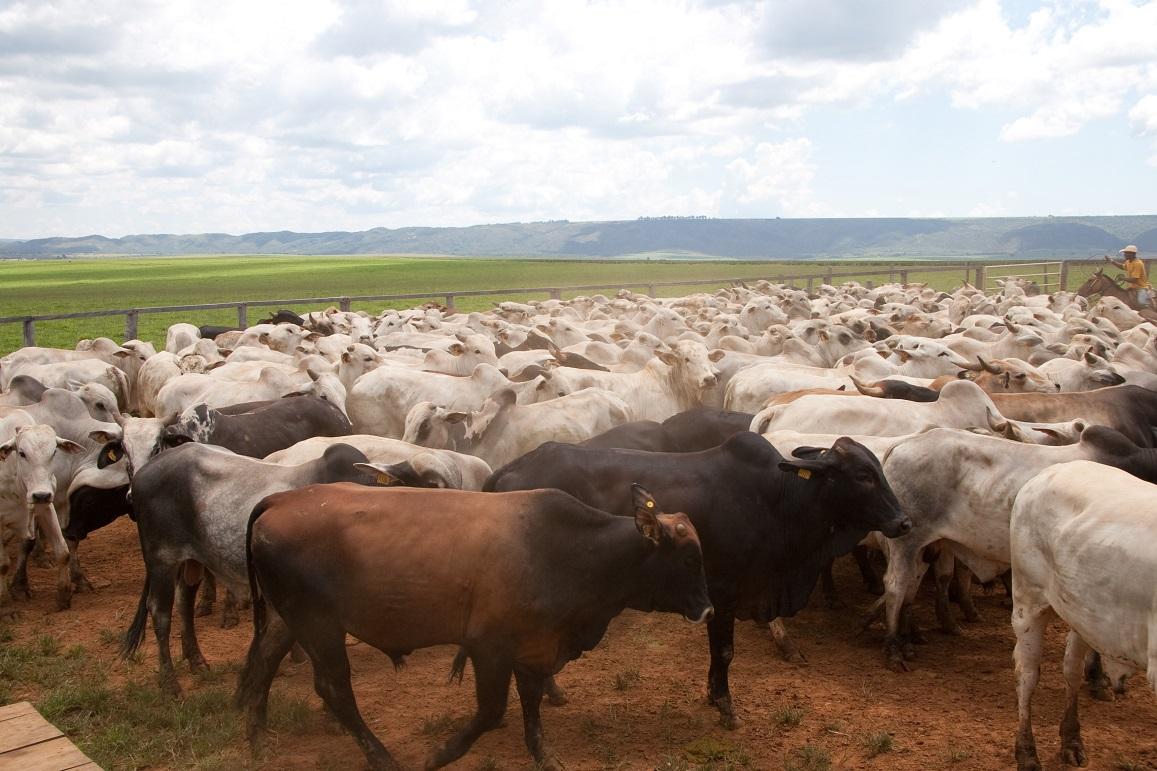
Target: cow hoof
(1102, 693)
(170, 686)
(729, 721)
(230, 621)
(20, 592)
(548, 762)
(898, 664)
(63, 598)
(794, 657)
(1074, 754)
(917, 636)
(204, 608)
(952, 629)
(198, 664)
(82, 585)
(556, 696)
(835, 603)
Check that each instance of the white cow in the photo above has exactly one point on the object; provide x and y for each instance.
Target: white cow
(502, 430)
(1082, 539)
(413, 465)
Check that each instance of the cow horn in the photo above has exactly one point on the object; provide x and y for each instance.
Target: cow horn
(989, 366)
(868, 390)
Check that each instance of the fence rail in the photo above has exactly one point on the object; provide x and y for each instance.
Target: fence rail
(972, 272)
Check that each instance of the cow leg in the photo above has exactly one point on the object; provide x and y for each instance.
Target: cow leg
(20, 588)
(162, 588)
(1072, 747)
(324, 642)
(491, 686)
(1028, 622)
(1098, 680)
(945, 569)
(50, 527)
(721, 638)
(901, 580)
(229, 614)
(962, 580)
(828, 582)
(6, 608)
(208, 595)
(787, 647)
(868, 572)
(80, 582)
(271, 641)
(530, 690)
(186, 596)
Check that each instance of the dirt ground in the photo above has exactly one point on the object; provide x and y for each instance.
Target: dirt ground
(637, 701)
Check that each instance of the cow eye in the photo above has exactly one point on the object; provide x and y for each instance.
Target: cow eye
(22, 455)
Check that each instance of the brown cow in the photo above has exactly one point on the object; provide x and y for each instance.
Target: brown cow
(524, 581)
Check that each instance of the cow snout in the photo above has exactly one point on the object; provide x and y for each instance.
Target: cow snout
(709, 381)
(40, 497)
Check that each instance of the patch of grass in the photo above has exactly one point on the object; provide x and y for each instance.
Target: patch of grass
(809, 758)
(716, 754)
(439, 725)
(957, 755)
(789, 717)
(290, 714)
(487, 764)
(78, 284)
(878, 743)
(627, 679)
(673, 763)
(1124, 764)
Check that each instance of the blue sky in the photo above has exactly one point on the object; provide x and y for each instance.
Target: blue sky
(144, 116)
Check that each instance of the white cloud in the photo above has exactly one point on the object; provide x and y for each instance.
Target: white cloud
(140, 116)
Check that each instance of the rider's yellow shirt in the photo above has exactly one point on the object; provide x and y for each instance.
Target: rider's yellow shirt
(1135, 270)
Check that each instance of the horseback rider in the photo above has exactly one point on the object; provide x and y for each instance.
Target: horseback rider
(1135, 273)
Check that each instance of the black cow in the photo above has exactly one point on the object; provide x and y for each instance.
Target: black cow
(768, 524)
(211, 331)
(192, 504)
(284, 316)
(265, 428)
(693, 430)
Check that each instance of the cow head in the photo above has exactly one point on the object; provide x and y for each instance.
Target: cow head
(853, 485)
(433, 425)
(678, 583)
(692, 369)
(138, 440)
(423, 469)
(32, 451)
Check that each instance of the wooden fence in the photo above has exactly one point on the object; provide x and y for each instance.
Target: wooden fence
(972, 272)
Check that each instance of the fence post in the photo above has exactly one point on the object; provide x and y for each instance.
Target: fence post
(828, 276)
(891, 275)
(555, 294)
(809, 284)
(344, 304)
(450, 302)
(243, 315)
(1063, 282)
(981, 279)
(650, 290)
(131, 326)
(29, 332)
(904, 278)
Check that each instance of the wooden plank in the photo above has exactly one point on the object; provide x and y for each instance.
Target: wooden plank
(53, 755)
(16, 710)
(24, 731)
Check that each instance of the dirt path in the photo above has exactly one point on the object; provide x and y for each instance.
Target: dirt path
(637, 700)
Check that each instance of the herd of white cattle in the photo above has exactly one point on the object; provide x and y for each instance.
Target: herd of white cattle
(462, 394)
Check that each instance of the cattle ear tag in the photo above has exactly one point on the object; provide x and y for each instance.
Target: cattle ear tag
(385, 479)
(804, 473)
(112, 456)
(650, 504)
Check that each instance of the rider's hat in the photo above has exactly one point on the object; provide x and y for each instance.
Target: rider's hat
(1130, 249)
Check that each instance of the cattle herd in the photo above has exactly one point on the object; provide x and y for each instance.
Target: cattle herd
(510, 481)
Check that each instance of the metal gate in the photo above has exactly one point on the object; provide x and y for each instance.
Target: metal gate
(1047, 275)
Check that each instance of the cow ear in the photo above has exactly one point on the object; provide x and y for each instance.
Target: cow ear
(6, 449)
(102, 437)
(456, 349)
(717, 354)
(456, 417)
(646, 514)
(667, 358)
(345, 356)
(109, 454)
(391, 475)
(69, 446)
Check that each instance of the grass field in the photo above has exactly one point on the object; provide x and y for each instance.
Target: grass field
(51, 286)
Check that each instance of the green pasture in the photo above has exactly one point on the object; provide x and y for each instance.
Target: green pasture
(65, 286)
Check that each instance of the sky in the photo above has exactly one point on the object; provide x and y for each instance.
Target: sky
(131, 116)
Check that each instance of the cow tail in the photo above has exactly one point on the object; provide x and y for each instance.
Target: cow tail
(136, 631)
(249, 682)
(458, 668)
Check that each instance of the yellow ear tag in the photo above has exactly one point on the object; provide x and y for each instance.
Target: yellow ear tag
(385, 479)
(804, 473)
(650, 504)
(112, 456)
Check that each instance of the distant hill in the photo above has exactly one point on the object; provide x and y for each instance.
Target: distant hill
(662, 238)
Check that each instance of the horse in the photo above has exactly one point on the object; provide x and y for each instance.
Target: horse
(1100, 284)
